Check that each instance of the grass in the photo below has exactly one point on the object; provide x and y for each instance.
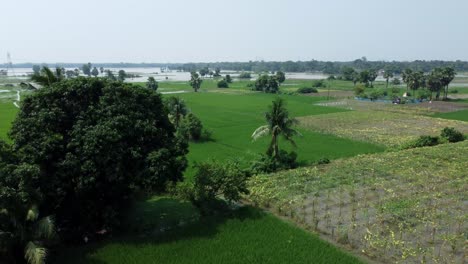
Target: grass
(233, 118)
(247, 235)
(408, 206)
(7, 115)
(458, 115)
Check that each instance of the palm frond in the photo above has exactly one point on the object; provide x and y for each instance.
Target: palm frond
(34, 254)
(45, 228)
(260, 132)
(33, 214)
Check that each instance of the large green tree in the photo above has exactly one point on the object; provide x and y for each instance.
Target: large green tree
(278, 124)
(434, 83)
(267, 84)
(364, 77)
(95, 144)
(348, 73)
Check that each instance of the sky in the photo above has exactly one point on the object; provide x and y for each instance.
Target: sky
(240, 30)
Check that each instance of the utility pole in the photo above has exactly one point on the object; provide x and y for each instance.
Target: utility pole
(10, 64)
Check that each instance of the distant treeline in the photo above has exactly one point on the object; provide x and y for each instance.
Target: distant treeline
(327, 67)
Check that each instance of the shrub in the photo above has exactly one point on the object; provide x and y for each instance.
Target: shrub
(319, 84)
(213, 180)
(305, 90)
(453, 91)
(223, 84)
(322, 161)
(191, 127)
(452, 135)
(375, 94)
(422, 141)
(358, 90)
(268, 164)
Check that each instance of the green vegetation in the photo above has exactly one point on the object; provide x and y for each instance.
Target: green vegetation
(7, 115)
(379, 126)
(458, 115)
(306, 90)
(232, 118)
(399, 206)
(113, 151)
(406, 206)
(247, 235)
(214, 181)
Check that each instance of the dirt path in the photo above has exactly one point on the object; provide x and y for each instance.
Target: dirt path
(18, 99)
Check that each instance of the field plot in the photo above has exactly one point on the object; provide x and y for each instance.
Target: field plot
(457, 115)
(7, 115)
(397, 207)
(379, 127)
(232, 119)
(164, 230)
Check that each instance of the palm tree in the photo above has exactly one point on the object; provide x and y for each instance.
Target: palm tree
(47, 77)
(152, 83)
(278, 124)
(176, 109)
(195, 81)
(387, 75)
(27, 234)
(448, 74)
(406, 75)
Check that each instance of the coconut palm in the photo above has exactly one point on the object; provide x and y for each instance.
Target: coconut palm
(387, 75)
(26, 234)
(278, 124)
(47, 77)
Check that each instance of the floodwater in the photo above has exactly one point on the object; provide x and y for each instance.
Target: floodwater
(145, 72)
(22, 73)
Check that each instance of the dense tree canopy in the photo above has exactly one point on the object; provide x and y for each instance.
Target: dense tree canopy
(92, 144)
(267, 84)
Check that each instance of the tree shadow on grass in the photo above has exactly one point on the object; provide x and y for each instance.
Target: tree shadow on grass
(158, 221)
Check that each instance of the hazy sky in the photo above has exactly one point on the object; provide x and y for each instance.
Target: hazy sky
(239, 30)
